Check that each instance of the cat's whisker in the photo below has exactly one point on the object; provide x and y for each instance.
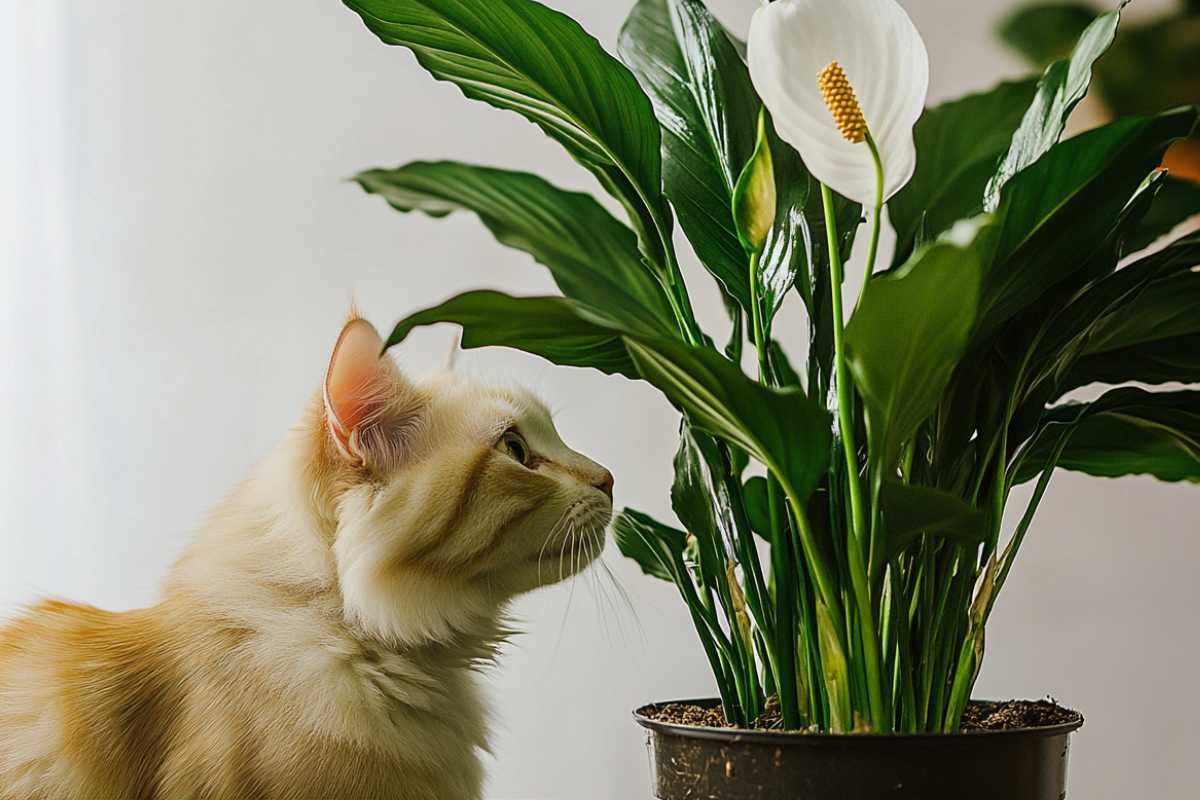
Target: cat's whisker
(605, 605)
(571, 594)
(622, 595)
(562, 553)
(554, 531)
(604, 583)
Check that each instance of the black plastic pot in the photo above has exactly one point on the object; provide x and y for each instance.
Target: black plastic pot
(688, 763)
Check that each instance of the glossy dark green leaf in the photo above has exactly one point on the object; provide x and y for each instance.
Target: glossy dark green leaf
(521, 56)
(910, 511)
(696, 500)
(785, 373)
(757, 505)
(1068, 332)
(558, 329)
(908, 334)
(783, 429)
(1062, 86)
(788, 251)
(958, 146)
(1043, 342)
(1058, 213)
(702, 95)
(1153, 339)
(1177, 201)
(1046, 32)
(1128, 431)
(1112, 294)
(657, 548)
(592, 256)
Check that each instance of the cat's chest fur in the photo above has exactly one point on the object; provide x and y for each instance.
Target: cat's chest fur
(284, 704)
(341, 715)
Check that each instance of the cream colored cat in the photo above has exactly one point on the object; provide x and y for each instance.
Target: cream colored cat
(319, 639)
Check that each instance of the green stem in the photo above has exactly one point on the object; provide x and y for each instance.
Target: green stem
(783, 650)
(906, 462)
(756, 325)
(877, 217)
(826, 590)
(859, 581)
(785, 610)
(844, 398)
(709, 636)
(1010, 552)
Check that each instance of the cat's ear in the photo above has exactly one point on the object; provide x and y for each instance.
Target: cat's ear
(369, 405)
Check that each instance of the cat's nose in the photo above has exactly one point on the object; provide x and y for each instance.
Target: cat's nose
(605, 484)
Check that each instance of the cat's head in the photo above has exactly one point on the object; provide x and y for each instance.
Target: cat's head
(452, 495)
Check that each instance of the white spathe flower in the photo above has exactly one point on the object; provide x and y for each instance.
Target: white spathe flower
(883, 58)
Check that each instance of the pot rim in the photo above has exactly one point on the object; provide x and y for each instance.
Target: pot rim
(736, 735)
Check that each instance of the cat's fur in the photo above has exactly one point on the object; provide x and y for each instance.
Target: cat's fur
(319, 638)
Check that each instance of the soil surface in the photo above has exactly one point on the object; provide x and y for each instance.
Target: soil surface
(979, 716)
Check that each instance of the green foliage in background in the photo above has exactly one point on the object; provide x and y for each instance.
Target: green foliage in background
(1004, 295)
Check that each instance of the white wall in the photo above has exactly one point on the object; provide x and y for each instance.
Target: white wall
(180, 248)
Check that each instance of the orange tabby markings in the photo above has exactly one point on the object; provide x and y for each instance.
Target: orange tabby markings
(320, 637)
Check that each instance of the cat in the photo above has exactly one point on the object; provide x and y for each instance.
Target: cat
(321, 636)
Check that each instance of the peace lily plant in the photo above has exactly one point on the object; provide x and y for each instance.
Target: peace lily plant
(841, 541)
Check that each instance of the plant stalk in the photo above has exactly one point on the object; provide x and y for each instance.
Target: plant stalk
(844, 398)
(876, 216)
(860, 584)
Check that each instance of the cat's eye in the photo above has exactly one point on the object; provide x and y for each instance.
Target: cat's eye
(514, 447)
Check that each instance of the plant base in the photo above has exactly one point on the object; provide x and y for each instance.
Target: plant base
(727, 764)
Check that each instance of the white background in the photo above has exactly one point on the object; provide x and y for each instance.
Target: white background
(179, 248)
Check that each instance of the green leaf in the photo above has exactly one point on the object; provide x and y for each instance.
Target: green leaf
(657, 548)
(783, 429)
(958, 145)
(910, 511)
(701, 508)
(1069, 332)
(911, 329)
(1058, 213)
(521, 56)
(757, 505)
(1153, 339)
(555, 328)
(593, 257)
(785, 373)
(1043, 33)
(1062, 86)
(1128, 431)
(754, 195)
(702, 95)
(1177, 201)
